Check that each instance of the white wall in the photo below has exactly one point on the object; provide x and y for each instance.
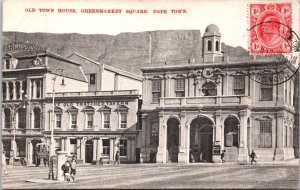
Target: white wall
(71, 85)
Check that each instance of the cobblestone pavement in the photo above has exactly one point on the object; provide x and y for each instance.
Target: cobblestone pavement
(137, 176)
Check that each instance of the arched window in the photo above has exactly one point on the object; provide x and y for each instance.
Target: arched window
(7, 64)
(37, 118)
(209, 45)
(7, 116)
(4, 91)
(11, 90)
(217, 45)
(22, 118)
(18, 90)
(209, 89)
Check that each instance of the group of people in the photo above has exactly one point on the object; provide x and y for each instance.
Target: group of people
(69, 169)
(252, 156)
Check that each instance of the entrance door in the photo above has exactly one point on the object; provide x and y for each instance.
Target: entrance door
(89, 151)
(137, 155)
(201, 140)
(173, 140)
(34, 142)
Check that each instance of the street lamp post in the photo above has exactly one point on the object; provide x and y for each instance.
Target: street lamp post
(15, 108)
(52, 143)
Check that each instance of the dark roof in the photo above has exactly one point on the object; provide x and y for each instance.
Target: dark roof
(71, 69)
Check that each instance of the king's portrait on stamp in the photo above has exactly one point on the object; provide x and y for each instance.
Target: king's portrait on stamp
(168, 94)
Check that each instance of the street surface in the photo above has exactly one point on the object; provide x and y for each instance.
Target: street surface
(283, 175)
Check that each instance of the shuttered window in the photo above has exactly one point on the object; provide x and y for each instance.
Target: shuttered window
(179, 87)
(265, 136)
(266, 88)
(239, 85)
(156, 90)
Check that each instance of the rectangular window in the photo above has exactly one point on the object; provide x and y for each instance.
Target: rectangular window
(92, 78)
(123, 120)
(265, 135)
(57, 145)
(90, 120)
(154, 134)
(266, 88)
(156, 90)
(73, 146)
(179, 87)
(106, 120)
(105, 145)
(123, 147)
(73, 121)
(58, 120)
(239, 85)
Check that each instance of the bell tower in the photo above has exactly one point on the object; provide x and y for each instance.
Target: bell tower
(212, 44)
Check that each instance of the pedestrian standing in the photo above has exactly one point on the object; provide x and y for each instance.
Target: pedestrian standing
(73, 168)
(4, 165)
(67, 170)
(253, 156)
(117, 158)
(101, 159)
(222, 156)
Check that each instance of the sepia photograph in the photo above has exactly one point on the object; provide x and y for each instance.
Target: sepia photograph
(150, 94)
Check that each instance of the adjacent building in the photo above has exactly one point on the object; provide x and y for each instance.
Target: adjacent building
(193, 111)
(92, 113)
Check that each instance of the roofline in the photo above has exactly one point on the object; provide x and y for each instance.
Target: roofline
(124, 73)
(112, 69)
(44, 53)
(193, 66)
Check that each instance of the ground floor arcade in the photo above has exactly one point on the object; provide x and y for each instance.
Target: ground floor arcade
(200, 136)
(87, 148)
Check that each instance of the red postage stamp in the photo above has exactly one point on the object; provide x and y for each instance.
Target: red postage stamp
(270, 28)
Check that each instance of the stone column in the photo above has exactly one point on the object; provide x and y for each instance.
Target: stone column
(196, 87)
(82, 149)
(186, 87)
(63, 142)
(279, 152)
(78, 146)
(32, 119)
(165, 87)
(14, 90)
(99, 148)
(34, 89)
(21, 90)
(7, 91)
(217, 135)
(191, 86)
(17, 119)
(162, 148)
(67, 145)
(182, 155)
(243, 150)
(94, 150)
(29, 151)
(111, 149)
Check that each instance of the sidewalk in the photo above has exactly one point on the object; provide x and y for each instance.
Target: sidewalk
(43, 181)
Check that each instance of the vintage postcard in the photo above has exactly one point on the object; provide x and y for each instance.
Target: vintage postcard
(150, 94)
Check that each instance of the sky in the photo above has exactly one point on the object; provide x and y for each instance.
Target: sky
(231, 16)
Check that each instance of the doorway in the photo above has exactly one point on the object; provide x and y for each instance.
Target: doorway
(89, 151)
(201, 140)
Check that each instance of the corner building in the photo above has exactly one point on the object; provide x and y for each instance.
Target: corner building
(95, 106)
(193, 111)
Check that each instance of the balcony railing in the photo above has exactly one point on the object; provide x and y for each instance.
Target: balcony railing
(96, 93)
(205, 100)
